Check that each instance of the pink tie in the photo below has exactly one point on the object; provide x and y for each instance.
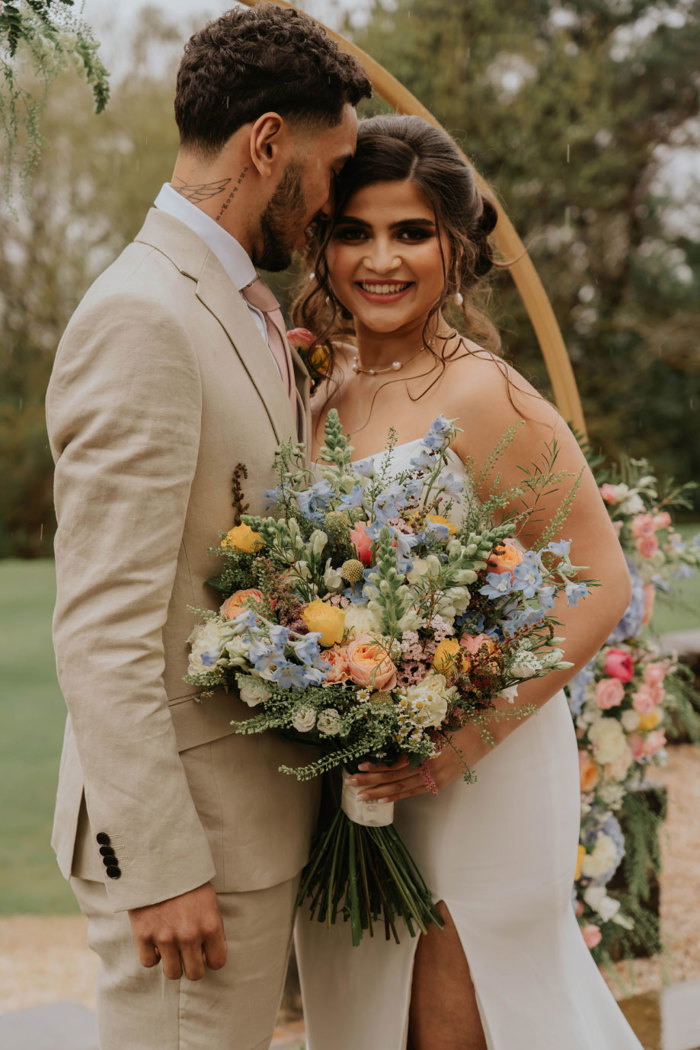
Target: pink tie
(259, 295)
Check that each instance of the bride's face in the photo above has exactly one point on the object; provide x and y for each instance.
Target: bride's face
(385, 259)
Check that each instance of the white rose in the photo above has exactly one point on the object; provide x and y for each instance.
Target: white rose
(597, 898)
(602, 859)
(630, 720)
(304, 719)
(525, 664)
(428, 700)
(608, 740)
(360, 619)
(632, 505)
(252, 690)
(206, 641)
(329, 722)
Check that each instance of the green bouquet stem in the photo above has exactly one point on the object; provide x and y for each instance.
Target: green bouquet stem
(367, 875)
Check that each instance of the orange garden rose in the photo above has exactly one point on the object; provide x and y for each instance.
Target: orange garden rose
(369, 665)
(588, 774)
(337, 657)
(327, 619)
(242, 538)
(505, 557)
(234, 606)
(447, 657)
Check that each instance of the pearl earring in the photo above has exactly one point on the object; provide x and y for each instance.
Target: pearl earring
(458, 299)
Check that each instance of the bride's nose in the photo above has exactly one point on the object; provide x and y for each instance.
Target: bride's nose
(382, 257)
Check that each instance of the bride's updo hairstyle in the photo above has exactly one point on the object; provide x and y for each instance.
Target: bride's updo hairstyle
(399, 149)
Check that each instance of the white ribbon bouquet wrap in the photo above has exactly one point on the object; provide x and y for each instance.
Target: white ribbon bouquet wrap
(368, 814)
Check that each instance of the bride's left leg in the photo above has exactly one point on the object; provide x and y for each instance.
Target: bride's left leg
(443, 1012)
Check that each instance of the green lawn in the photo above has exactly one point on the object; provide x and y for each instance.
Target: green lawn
(31, 726)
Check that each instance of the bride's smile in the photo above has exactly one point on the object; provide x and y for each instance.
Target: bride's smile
(386, 258)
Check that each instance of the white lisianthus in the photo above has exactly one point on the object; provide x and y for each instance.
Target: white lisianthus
(509, 694)
(525, 664)
(304, 719)
(428, 700)
(206, 641)
(332, 578)
(608, 739)
(236, 651)
(359, 619)
(329, 722)
(419, 570)
(597, 898)
(630, 719)
(602, 859)
(552, 658)
(252, 691)
(316, 542)
(453, 602)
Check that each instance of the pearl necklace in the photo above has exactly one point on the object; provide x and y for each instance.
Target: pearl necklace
(395, 366)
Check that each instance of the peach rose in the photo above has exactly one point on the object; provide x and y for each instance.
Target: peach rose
(654, 674)
(609, 493)
(242, 538)
(662, 520)
(362, 542)
(636, 745)
(649, 599)
(449, 658)
(327, 619)
(473, 642)
(644, 701)
(591, 935)
(643, 525)
(618, 664)
(588, 774)
(647, 546)
(234, 606)
(609, 693)
(369, 665)
(505, 557)
(301, 337)
(337, 657)
(654, 742)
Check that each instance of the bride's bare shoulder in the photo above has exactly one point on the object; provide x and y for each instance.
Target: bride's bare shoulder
(489, 386)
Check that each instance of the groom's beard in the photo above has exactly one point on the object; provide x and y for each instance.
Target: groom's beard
(282, 222)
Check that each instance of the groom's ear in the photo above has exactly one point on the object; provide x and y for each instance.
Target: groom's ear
(270, 144)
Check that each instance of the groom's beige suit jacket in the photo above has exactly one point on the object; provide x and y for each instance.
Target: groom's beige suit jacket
(162, 384)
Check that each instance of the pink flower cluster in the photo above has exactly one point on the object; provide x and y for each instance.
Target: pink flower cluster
(644, 529)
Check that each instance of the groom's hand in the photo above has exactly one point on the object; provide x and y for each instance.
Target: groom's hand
(185, 932)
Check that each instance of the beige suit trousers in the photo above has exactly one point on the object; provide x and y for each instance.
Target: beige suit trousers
(230, 1009)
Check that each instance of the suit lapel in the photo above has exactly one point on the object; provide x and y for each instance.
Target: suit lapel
(216, 292)
(302, 380)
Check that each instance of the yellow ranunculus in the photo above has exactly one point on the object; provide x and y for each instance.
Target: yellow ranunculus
(242, 538)
(437, 519)
(329, 620)
(649, 722)
(446, 660)
(579, 861)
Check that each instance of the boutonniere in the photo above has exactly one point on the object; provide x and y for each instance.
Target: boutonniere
(316, 356)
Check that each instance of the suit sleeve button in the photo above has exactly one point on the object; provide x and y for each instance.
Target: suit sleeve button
(107, 851)
(103, 838)
(110, 862)
(113, 872)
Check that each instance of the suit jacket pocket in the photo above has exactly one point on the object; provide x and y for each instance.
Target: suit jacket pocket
(201, 721)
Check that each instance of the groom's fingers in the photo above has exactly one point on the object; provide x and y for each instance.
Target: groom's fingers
(216, 950)
(148, 954)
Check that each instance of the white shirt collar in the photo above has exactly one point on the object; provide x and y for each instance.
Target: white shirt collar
(232, 255)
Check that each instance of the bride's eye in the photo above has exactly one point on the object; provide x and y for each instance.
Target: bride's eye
(350, 234)
(415, 233)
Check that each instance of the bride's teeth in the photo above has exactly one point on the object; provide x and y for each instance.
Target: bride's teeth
(383, 289)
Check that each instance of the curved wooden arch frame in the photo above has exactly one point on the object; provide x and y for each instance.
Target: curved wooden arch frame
(505, 236)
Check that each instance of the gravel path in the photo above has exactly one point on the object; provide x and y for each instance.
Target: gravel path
(46, 960)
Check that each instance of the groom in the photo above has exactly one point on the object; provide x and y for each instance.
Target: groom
(182, 842)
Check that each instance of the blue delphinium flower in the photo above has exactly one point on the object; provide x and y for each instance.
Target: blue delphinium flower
(294, 676)
(631, 623)
(498, 584)
(425, 460)
(527, 575)
(437, 435)
(560, 548)
(307, 648)
(578, 685)
(314, 501)
(575, 590)
(366, 468)
(352, 499)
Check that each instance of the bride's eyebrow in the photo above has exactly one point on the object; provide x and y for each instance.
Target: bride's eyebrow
(427, 223)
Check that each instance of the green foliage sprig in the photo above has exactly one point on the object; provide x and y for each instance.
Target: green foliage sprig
(49, 34)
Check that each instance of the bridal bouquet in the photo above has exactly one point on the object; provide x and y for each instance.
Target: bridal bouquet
(373, 613)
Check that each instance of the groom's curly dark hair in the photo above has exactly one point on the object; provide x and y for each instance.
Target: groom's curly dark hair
(252, 61)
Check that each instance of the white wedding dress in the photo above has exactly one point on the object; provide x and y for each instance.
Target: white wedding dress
(501, 853)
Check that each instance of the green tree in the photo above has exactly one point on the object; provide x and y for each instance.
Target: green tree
(570, 110)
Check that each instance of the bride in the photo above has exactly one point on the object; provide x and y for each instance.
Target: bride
(510, 970)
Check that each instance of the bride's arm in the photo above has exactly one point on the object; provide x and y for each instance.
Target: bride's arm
(586, 626)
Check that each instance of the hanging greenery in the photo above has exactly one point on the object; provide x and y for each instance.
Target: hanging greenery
(38, 38)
